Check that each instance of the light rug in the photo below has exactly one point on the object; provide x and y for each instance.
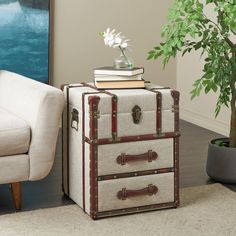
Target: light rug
(206, 210)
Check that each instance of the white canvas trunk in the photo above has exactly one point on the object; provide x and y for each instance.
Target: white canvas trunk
(120, 149)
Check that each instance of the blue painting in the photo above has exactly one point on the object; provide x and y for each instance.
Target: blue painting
(24, 38)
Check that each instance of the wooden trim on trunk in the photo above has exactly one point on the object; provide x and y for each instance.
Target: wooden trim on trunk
(176, 170)
(136, 138)
(62, 146)
(83, 152)
(83, 144)
(158, 108)
(16, 194)
(175, 94)
(133, 210)
(135, 174)
(93, 124)
(68, 139)
(114, 100)
(159, 118)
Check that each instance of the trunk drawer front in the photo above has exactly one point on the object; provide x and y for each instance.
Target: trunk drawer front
(108, 191)
(108, 154)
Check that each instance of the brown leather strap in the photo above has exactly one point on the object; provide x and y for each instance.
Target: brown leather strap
(159, 106)
(148, 156)
(93, 163)
(83, 141)
(175, 94)
(114, 101)
(114, 117)
(124, 193)
(68, 142)
(153, 89)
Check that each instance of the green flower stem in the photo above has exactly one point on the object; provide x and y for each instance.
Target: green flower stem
(122, 51)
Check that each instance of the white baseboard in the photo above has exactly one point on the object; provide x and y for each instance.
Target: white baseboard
(205, 122)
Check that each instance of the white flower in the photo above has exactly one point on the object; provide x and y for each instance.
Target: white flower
(114, 40)
(124, 44)
(118, 40)
(108, 37)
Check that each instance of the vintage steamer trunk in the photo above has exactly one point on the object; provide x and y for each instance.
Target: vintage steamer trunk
(121, 149)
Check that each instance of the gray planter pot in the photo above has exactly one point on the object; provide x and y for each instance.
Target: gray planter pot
(221, 163)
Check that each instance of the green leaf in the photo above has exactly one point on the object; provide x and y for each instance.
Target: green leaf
(150, 56)
(214, 87)
(207, 89)
(157, 48)
(207, 59)
(185, 51)
(198, 45)
(209, 1)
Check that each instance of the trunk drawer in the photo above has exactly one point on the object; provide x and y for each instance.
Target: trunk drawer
(135, 156)
(161, 191)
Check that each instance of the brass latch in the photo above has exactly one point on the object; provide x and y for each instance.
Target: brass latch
(136, 114)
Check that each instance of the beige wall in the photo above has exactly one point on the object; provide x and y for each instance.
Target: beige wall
(199, 111)
(77, 48)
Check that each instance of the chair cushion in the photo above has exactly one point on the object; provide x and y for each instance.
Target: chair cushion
(14, 134)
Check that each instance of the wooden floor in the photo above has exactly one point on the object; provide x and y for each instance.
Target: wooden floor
(47, 193)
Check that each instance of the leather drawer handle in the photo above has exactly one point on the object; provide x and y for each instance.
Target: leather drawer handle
(148, 156)
(124, 193)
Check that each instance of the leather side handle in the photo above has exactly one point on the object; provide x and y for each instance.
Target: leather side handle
(74, 119)
(147, 156)
(149, 191)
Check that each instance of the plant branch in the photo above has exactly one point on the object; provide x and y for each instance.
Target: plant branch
(232, 83)
(212, 23)
(234, 32)
(230, 43)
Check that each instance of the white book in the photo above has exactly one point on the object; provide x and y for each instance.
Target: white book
(117, 77)
(111, 71)
(120, 84)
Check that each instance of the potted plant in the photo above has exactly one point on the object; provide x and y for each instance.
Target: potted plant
(189, 28)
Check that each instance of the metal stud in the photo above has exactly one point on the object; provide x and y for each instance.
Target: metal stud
(114, 98)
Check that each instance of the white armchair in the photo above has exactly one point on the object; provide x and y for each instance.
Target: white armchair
(29, 122)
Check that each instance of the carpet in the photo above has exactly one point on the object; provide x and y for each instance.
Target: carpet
(204, 211)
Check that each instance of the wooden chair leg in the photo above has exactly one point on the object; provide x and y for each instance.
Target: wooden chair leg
(16, 194)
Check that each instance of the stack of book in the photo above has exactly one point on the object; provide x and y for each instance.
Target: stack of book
(110, 78)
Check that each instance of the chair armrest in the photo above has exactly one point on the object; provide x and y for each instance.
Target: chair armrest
(41, 106)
